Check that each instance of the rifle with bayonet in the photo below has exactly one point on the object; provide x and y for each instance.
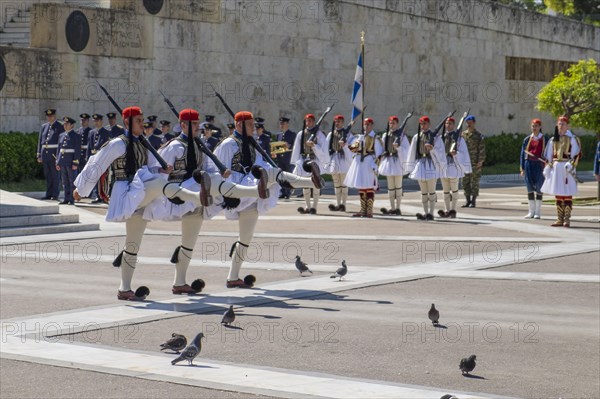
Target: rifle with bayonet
(402, 126)
(313, 136)
(199, 141)
(251, 139)
(142, 138)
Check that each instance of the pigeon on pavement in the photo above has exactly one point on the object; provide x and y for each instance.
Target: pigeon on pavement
(467, 364)
(434, 315)
(228, 316)
(340, 272)
(191, 351)
(176, 343)
(448, 396)
(301, 266)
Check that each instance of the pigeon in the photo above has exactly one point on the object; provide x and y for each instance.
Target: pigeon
(191, 351)
(301, 266)
(228, 316)
(341, 271)
(467, 364)
(434, 315)
(176, 343)
(448, 396)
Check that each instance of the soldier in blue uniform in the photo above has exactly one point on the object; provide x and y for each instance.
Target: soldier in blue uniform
(96, 139)
(154, 135)
(84, 133)
(208, 131)
(262, 136)
(284, 160)
(67, 158)
(217, 133)
(112, 127)
(231, 128)
(46, 153)
(165, 127)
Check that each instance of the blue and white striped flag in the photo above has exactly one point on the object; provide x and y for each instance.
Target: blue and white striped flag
(357, 92)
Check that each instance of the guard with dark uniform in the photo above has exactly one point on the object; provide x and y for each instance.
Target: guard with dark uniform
(208, 131)
(67, 158)
(112, 127)
(231, 128)
(154, 135)
(96, 139)
(476, 146)
(46, 153)
(165, 127)
(262, 136)
(84, 133)
(210, 119)
(284, 160)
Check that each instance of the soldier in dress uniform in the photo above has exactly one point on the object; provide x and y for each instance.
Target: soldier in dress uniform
(532, 162)
(96, 139)
(231, 128)
(362, 174)
(154, 135)
(207, 131)
(393, 163)
(165, 127)
(67, 158)
(340, 156)
(112, 127)
(426, 159)
(457, 164)
(476, 146)
(310, 146)
(46, 153)
(249, 169)
(210, 119)
(84, 133)
(262, 136)
(284, 160)
(563, 153)
(134, 188)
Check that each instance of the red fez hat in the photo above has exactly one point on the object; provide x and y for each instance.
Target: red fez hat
(338, 117)
(369, 120)
(393, 118)
(536, 121)
(243, 116)
(189, 115)
(563, 118)
(309, 116)
(424, 118)
(451, 119)
(131, 112)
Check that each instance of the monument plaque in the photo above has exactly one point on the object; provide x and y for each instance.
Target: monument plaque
(77, 30)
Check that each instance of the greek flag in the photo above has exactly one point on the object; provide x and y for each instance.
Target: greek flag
(357, 92)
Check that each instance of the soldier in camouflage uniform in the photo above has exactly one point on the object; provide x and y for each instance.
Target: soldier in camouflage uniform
(476, 146)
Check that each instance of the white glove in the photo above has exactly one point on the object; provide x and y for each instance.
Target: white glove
(568, 167)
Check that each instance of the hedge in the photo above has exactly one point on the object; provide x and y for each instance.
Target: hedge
(18, 157)
(18, 150)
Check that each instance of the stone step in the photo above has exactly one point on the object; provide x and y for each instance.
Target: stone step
(42, 208)
(37, 220)
(20, 19)
(14, 36)
(53, 229)
(11, 28)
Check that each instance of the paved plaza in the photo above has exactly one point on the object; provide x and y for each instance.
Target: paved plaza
(522, 296)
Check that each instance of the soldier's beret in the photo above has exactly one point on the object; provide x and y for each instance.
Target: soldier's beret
(451, 119)
(338, 117)
(424, 118)
(189, 114)
(131, 112)
(470, 118)
(536, 121)
(243, 116)
(393, 118)
(369, 120)
(563, 118)
(309, 116)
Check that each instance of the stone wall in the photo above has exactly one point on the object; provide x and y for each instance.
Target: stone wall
(292, 57)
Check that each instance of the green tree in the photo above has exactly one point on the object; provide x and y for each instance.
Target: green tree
(583, 10)
(531, 5)
(575, 94)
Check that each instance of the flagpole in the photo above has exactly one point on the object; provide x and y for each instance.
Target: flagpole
(362, 50)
